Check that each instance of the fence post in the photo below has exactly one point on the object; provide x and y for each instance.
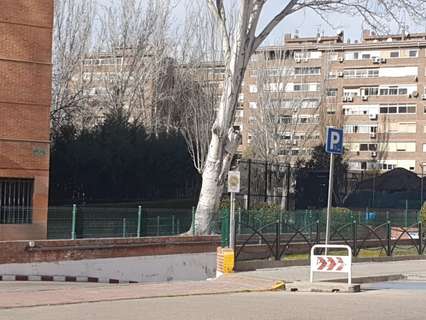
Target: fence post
(139, 221)
(420, 231)
(389, 236)
(158, 226)
(277, 240)
(193, 221)
(124, 227)
(318, 236)
(406, 214)
(239, 220)
(354, 238)
(173, 224)
(73, 222)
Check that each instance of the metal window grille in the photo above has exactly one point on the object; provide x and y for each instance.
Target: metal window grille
(16, 199)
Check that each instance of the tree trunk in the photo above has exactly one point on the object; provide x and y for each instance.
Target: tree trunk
(219, 158)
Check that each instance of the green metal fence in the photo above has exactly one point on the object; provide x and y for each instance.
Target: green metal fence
(91, 222)
(247, 220)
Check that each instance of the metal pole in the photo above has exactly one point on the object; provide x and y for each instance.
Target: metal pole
(139, 221)
(232, 222)
(421, 189)
(266, 181)
(74, 216)
(248, 184)
(330, 199)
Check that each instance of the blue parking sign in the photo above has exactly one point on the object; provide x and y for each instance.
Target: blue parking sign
(334, 142)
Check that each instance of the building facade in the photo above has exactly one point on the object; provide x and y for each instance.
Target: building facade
(25, 98)
(374, 88)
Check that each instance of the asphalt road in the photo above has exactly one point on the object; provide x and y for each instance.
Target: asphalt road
(386, 304)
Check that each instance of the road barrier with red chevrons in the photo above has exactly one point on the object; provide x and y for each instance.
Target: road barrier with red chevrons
(328, 263)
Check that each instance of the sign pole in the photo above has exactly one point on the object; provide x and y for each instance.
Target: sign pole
(329, 200)
(232, 221)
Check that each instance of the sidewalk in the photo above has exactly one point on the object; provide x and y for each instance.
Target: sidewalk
(359, 270)
(63, 294)
(254, 281)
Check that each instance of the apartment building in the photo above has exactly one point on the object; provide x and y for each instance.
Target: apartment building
(374, 88)
(25, 97)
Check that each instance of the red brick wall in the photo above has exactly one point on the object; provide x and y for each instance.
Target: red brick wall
(25, 97)
(63, 250)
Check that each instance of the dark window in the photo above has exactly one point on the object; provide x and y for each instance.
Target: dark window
(363, 147)
(16, 200)
(394, 54)
(411, 109)
(364, 165)
(392, 110)
(413, 53)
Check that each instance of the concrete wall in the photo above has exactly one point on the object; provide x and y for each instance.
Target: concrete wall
(192, 266)
(127, 259)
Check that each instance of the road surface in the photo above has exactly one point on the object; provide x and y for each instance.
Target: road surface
(386, 304)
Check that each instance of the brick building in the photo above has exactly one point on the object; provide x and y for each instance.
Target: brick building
(25, 97)
(374, 88)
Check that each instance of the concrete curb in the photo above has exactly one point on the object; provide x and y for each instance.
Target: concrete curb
(57, 278)
(252, 265)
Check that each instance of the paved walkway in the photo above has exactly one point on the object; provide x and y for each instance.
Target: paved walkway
(363, 269)
(29, 294)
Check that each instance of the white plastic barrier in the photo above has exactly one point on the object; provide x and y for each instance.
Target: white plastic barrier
(327, 263)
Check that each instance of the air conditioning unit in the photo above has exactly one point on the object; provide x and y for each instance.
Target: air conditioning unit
(424, 96)
(298, 60)
(376, 60)
(372, 116)
(341, 59)
(373, 135)
(373, 154)
(364, 98)
(350, 99)
(344, 99)
(415, 94)
(340, 74)
(382, 60)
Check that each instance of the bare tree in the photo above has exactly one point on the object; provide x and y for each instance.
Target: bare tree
(285, 124)
(130, 64)
(238, 46)
(198, 76)
(73, 26)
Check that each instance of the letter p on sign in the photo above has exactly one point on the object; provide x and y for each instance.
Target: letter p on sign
(334, 141)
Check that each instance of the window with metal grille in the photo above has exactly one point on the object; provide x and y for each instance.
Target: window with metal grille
(16, 200)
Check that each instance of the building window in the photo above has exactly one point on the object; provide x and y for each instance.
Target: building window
(331, 92)
(16, 200)
(253, 105)
(413, 53)
(394, 54)
(424, 147)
